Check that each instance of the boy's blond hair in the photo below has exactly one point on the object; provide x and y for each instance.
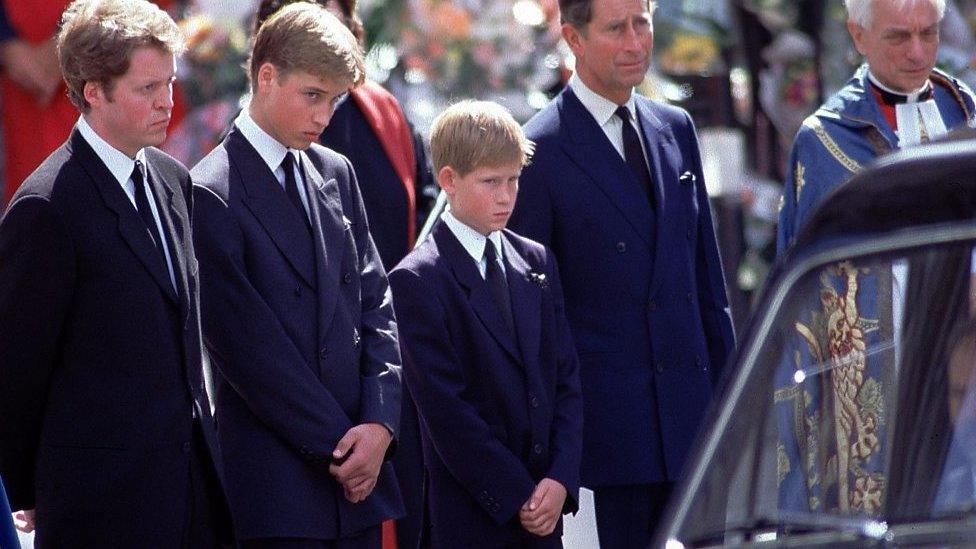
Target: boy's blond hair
(305, 37)
(97, 39)
(475, 134)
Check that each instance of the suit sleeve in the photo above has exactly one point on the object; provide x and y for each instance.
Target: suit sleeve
(250, 347)
(566, 440)
(489, 471)
(712, 300)
(533, 215)
(379, 366)
(36, 285)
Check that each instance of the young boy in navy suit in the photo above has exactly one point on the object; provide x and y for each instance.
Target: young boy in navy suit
(487, 350)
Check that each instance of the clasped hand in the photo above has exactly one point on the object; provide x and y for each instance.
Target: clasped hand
(360, 455)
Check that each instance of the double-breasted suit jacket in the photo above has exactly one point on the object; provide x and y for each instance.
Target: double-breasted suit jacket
(499, 411)
(100, 356)
(302, 334)
(645, 295)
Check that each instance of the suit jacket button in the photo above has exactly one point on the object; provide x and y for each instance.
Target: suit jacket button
(652, 305)
(659, 367)
(534, 401)
(347, 278)
(621, 247)
(186, 447)
(323, 352)
(537, 448)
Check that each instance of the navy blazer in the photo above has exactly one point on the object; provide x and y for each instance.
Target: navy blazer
(301, 331)
(100, 359)
(498, 413)
(645, 295)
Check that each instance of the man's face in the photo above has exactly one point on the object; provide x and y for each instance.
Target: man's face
(136, 112)
(484, 198)
(613, 51)
(901, 44)
(295, 108)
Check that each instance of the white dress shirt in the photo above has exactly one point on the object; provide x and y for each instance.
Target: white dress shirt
(121, 166)
(272, 152)
(474, 242)
(604, 112)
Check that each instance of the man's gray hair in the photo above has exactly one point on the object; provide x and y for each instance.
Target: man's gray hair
(862, 11)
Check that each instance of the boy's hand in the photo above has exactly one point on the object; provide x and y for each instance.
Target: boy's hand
(361, 453)
(541, 512)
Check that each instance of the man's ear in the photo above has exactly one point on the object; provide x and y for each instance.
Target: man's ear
(573, 38)
(93, 92)
(857, 34)
(446, 179)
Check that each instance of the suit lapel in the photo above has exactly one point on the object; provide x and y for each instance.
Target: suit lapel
(479, 296)
(328, 227)
(131, 227)
(658, 136)
(175, 227)
(270, 205)
(586, 144)
(526, 304)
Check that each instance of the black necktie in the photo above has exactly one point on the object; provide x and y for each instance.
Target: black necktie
(291, 187)
(145, 212)
(498, 285)
(634, 154)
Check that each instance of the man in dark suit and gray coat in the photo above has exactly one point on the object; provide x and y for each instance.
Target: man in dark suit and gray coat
(106, 438)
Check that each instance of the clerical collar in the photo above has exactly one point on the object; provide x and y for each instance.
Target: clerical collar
(891, 97)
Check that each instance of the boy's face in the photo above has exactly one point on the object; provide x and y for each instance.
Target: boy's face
(135, 112)
(295, 108)
(484, 198)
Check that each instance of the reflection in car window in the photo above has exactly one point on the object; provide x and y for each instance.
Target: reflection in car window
(862, 404)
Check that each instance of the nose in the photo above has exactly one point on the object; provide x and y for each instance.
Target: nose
(507, 193)
(164, 100)
(916, 49)
(323, 115)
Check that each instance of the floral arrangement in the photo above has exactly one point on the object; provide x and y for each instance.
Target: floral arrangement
(212, 66)
(446, 50)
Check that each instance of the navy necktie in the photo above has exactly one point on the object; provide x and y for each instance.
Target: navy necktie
(634, 154)
(498, 285)
(291, 188)
(145, 212)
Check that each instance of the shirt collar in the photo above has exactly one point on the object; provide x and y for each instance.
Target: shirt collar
(269, 148)
(892, 97)
(472, 241)
(117, 162)
(600, 107)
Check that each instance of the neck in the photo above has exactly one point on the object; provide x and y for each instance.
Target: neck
(912, 95)
(96, 125)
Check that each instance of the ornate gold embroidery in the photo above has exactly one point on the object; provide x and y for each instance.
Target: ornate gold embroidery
(800, 180)
(828, 142)
(837, 338)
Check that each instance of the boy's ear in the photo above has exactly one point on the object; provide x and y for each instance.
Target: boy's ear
(267, 73)
(446, 179)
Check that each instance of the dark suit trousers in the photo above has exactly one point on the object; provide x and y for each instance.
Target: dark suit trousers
(208, 521)
(372, 538)
(626, 516)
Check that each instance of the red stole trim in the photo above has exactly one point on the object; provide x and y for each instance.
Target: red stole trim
(385, 116)
(887, 110)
